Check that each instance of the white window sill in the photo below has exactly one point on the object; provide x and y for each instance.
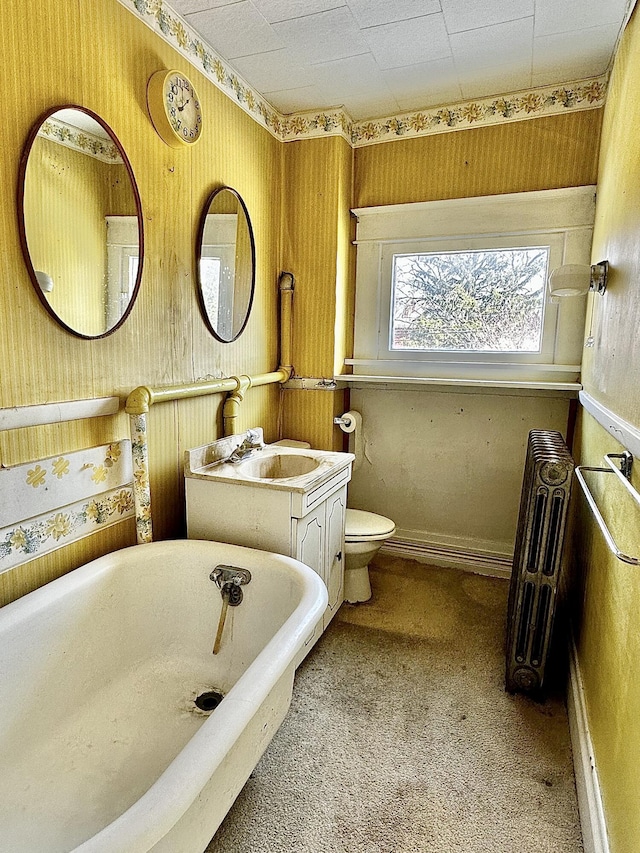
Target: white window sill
(569, 389)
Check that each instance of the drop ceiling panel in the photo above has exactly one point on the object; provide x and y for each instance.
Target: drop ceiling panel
(236, 30)
(493, 46)
(576, 54)
(409, 42)
(275, 11)
(373, 13)
(572, 15)
(379, 56)
(461, 15)
(485, 81)
(413, 86)
(274, 69)
(321, 37)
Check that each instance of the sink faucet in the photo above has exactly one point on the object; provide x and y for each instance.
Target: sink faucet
(251, 442)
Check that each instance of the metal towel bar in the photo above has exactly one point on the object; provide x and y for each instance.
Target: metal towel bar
(623, 475)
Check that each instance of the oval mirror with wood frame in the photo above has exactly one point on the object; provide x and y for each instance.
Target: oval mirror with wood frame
(225, 264)
(80, 221)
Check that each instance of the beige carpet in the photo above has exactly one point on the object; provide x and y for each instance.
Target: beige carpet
(401, 738)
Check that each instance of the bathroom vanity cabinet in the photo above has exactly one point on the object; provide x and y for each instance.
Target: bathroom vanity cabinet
(300, 516)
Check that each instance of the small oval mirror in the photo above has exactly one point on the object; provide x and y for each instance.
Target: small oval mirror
(225, 255)
(80, 221)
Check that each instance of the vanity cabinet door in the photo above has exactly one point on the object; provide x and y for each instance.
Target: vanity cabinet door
(309, 540)
(334, 537)
(308, 546)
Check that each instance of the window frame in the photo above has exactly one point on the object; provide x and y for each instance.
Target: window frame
(561, 219)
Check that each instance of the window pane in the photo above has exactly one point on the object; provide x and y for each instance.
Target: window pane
(484, 301)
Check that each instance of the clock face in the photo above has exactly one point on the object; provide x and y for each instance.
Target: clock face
(183, 107)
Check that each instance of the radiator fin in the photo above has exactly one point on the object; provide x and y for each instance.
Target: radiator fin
(537, 559)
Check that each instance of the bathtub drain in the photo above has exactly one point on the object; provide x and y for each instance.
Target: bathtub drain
(209, 700)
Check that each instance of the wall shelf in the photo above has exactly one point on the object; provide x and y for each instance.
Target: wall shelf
(569, 389)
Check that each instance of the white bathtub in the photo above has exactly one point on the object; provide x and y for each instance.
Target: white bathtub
(102, 748)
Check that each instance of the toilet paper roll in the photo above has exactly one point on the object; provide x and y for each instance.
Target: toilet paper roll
(350, 421)
(353, 426)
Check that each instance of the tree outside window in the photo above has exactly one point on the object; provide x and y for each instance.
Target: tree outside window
(483, 301)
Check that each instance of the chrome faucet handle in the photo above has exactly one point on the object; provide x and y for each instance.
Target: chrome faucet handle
(224, 576)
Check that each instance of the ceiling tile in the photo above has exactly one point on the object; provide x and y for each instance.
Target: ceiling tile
(460, 15)
(437, 95)
(572, 56)
(494, 81)
(273, 70)
(236, 30)
(186, 7)
(561, 17)
(372, 13)
(298, 100)
(275, 11)
(355, 74)
(498, 44)
(409, 42)
(321, 37)
(358, 84)
(423, 85)
(372, 106)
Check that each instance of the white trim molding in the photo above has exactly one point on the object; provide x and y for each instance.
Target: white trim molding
(592, 816)
(19, 417)
(469, 555)
(624, 432)
(558, 221)
(335, 121)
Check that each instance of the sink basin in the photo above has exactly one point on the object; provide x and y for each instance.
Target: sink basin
(277, 466)
(274, 468)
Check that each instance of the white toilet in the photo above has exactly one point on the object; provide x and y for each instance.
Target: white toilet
(365, 534)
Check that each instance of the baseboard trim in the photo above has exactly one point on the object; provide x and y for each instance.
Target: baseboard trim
(592, 818)
(478, 562)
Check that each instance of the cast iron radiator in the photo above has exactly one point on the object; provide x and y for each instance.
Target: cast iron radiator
(544, 502)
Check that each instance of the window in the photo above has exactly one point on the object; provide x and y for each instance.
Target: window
(478, 301)
(122, 265)
(459, 288)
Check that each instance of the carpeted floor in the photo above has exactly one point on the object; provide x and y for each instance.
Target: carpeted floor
(401, 738)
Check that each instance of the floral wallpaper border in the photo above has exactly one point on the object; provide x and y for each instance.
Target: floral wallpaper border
(549, 100)
(48, 503)
(37, 536)
(80, 140)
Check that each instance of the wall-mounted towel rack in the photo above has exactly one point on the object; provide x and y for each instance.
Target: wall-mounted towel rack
(623, 473)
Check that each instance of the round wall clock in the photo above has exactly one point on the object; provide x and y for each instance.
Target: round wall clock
(174, 108)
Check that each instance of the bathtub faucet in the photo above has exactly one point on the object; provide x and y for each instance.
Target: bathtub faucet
(229, 581)
(251, 442)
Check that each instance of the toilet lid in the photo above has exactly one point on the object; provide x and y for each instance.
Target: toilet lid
(367, 525)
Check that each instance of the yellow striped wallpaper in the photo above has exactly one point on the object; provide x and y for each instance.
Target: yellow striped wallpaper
(537, 154)
(99, 56)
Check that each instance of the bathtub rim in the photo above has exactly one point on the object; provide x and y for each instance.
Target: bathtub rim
(155, 813)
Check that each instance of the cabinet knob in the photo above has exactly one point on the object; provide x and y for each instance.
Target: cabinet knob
(339, 556)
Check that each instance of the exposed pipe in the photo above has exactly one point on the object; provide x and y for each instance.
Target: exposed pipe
(231, 407)
(143, 397)
(286, 285)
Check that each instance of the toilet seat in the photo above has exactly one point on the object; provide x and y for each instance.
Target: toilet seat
(361, 526)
